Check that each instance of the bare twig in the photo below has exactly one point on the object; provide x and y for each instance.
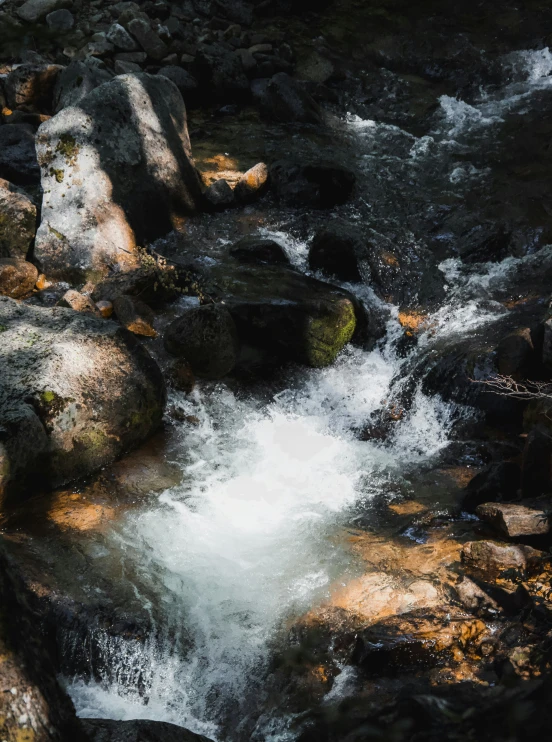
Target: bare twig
(506, 386)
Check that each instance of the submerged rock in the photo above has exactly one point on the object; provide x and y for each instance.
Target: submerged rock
(258, 250)
(207, 338)
(75, 392)
(116, 170)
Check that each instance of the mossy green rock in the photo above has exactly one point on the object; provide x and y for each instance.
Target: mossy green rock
(284, 314)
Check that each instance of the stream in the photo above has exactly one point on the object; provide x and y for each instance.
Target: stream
(273, 477)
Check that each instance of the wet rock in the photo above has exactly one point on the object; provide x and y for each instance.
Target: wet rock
(319, 185)
(516, 354)
(341, 252)
(102, 730)
(219, 196)
(258, 250)
(500, 481)
(17, 221)
(184, 81)
(148, 39)
(76, 391)
(283, 99)
(536, 467)
(219, 72)
(32, 86)
(421, 638)
(284, 314)
(135, 315)
(34, 10)
(60, 20)
(17, 277)
(117, 169)
(78, 302)
(206, 337)
(513, 520)
(252, 184)
(493, 559)
(120, 38)
(18, 162)
(182, 376)
(77, 80)
(474, 599)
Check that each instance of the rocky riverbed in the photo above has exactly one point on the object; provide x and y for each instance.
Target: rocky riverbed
(276, 390)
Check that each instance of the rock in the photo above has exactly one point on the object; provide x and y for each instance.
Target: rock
(135, 315)
(283, 99)
(252, 184)
(259, 250)
(60, 20)
(206, 337)
(148, 39)
(219, 73)
(474, 599)
(77, 80)
(341, 252)
(315, 68)
(78, 302)
(105, 308)
(135, 57)
(103, 730)
(318, 185)
(152, 283)
(124, 68)
(32, 86)
(18, 162)
(17, 277)
(516, 354)
(492, 558)
(536, 466)
(98, 46)
(182, 376)
(34, 10)
(17, 222)
(514, 520)
(283, 314)
(116, 170)
(219, 196)
(547, 344)
(498, 481)
(75, 392)
(120, 38)
(184, 81)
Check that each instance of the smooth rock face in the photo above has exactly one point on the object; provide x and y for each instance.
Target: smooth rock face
(492, 558)
(75, 392)
(116, 170)
(17, 277)
(34, 10)
(77, 80)
(103, 730)
(515, 520)
(32, 86)
(17, 221)
(206, 337)
(18, 162)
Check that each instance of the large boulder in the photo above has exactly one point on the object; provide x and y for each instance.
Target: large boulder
(117, 171)
(75, 392)
(17, 221)
(283, 314)
(18, 162)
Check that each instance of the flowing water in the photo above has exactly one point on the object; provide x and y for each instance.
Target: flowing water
(251, 539)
